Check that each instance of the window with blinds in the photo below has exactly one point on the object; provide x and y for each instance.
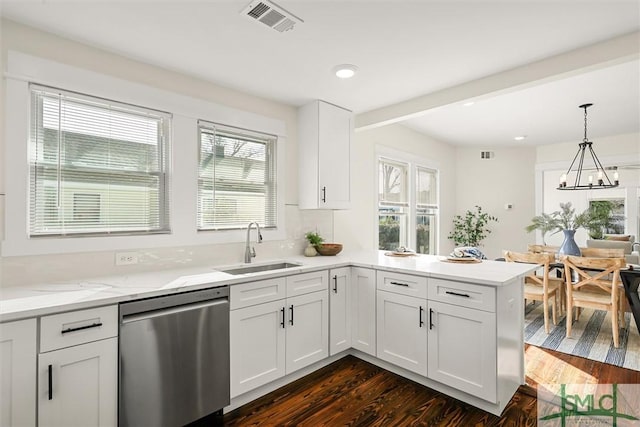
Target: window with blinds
(236, 178)
(97, 167)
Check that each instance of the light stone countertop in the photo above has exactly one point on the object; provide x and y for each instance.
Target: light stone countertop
(46, 298)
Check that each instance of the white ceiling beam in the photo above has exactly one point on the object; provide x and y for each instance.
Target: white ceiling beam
(600, 55)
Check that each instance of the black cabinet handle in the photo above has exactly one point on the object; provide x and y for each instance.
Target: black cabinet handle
(50, 382)
(430, 318)
(420, 322)
(80, 328)
(335, 284)
(400, 284)
(457, 294)
(291, 313)
(282, 312)
(324, 194)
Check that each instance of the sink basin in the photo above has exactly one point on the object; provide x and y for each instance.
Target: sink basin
(260, 268)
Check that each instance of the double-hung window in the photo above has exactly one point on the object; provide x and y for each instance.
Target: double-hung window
(236, 178)
(407, 206)
(393, 204)
(97, 167)
(426, 209)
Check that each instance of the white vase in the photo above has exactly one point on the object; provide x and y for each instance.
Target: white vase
(310, 250)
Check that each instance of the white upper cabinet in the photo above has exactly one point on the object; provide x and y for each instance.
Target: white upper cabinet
(324, 147)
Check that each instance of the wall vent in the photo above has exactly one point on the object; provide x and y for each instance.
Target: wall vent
(487, 154)
(271, 15)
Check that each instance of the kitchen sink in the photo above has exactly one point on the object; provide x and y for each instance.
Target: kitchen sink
(261, 267)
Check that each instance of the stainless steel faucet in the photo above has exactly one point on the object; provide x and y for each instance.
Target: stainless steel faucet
(250, 252)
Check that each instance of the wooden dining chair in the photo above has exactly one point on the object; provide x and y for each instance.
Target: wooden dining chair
(539, 286)
(597, 286)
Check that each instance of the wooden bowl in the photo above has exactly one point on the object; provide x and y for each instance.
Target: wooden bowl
(329, 248)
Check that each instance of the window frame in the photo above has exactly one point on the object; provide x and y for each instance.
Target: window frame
(271, 171)
(413, 162)
(163, 153)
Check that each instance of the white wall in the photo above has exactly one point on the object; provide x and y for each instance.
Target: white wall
(47, 268)
(508, 177)
(357, 227)
(616, 150)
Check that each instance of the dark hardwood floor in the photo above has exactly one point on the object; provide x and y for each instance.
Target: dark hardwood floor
(356, 393)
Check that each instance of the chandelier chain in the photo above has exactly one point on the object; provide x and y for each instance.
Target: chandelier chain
(585, 125)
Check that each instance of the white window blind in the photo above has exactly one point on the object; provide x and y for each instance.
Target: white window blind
(426, 188)
(236, 178)
(393, 183)
(97, 167)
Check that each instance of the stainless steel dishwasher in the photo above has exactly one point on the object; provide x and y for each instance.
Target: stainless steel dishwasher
(174, 358)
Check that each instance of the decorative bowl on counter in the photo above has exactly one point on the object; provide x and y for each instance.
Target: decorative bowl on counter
(329, 248)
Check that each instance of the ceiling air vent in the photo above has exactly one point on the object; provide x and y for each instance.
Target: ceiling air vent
(271, 15)
(487, 154)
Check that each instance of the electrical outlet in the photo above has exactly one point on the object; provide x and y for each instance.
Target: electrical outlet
(126, 258)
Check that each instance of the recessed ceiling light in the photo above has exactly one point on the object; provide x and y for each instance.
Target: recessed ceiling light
(468, 104)
(345, 71)
(520, 138)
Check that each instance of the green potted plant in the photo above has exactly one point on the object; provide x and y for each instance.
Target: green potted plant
(472, 228)
(315, 240)
(600, 217)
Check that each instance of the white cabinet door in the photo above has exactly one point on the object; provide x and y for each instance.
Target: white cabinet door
(462, 349)
(334, 157)
(18, 373)
(257, 336)
(363, 310)
(78, 386)
(402, 331)
(307, 330)
(339, 310)
(324, 156)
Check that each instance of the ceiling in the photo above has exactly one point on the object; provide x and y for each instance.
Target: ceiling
(404, 50)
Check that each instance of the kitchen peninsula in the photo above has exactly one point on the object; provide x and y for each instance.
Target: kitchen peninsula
(455, 328)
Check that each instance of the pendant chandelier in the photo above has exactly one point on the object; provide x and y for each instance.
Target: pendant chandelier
(602, 179)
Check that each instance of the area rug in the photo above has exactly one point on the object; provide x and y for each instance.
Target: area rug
(590, 336)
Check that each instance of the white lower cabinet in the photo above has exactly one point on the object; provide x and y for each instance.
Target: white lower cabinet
(78, 385)
(339, 310)
(257, 346)
(363, 310)
(78, 368)
(275, 338)
(462, 349)
(18, 373)
(307, 330)
(402, 332)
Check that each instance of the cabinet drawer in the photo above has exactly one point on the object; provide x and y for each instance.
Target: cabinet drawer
(252, 293)
(463, 294)
(78, 327)
(301, 284)
(404, 284)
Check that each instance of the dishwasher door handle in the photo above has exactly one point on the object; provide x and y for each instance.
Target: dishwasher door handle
(172, 310)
